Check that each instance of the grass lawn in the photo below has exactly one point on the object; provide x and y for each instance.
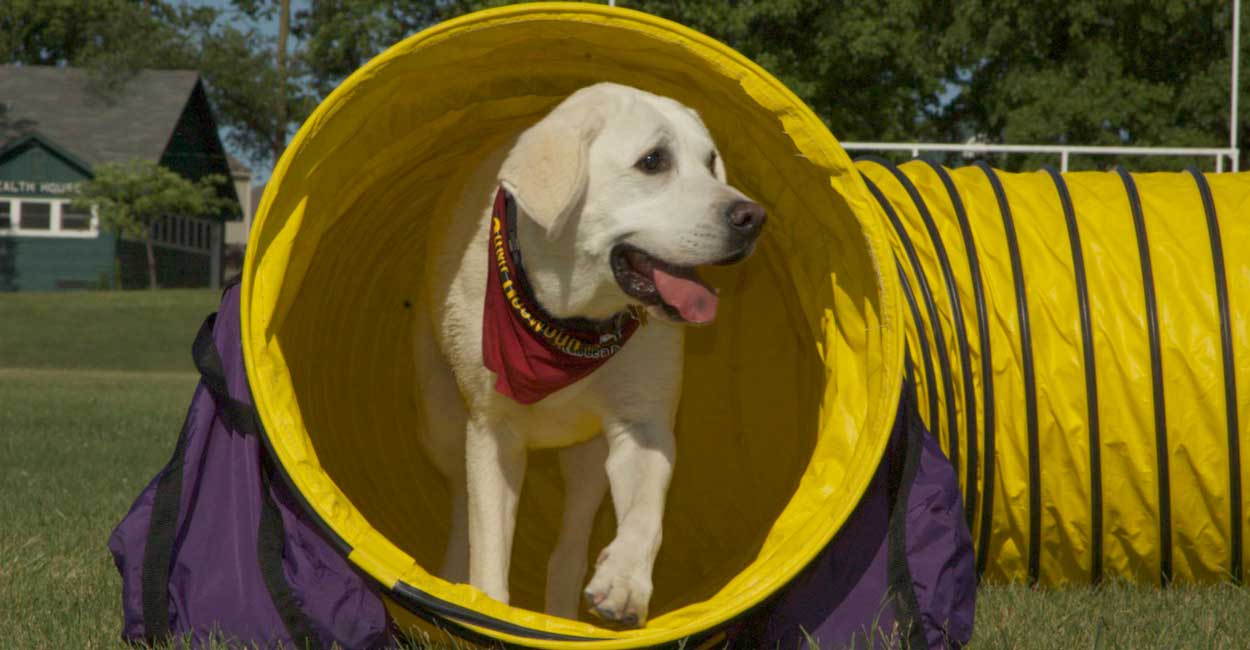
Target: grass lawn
(76, 447)
(88, 415)
(107, 330)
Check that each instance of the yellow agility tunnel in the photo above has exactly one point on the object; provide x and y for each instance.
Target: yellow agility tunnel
(777, 442)
(1083, 341)
(330, 288)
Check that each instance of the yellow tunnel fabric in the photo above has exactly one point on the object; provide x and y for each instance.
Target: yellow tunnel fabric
(1108, 364)
(1054, 360)
(788, 400)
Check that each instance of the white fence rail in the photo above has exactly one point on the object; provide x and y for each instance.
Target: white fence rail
(1063, 151)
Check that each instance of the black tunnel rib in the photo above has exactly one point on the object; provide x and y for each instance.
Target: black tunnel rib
(969, 433)
(1156, 377)
(926, 292)
(987, 369)
(1091, 375)
(1230, 377)
(1026, 362)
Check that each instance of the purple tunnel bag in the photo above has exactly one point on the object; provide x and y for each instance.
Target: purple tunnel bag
(219, 546)
(215, 548)
(901, 570)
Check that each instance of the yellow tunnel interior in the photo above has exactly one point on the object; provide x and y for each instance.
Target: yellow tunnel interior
(788, 399)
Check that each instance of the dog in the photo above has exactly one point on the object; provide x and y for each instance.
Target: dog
(557, 293)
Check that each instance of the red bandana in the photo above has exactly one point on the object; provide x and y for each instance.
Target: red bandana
(532, 353)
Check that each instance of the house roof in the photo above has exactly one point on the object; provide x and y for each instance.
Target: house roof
(35, 137)
(62, 104)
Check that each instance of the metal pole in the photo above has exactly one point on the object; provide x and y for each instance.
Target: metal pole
(1063, 161)
(1232, 116)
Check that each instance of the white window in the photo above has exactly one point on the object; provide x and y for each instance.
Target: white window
(33, 217)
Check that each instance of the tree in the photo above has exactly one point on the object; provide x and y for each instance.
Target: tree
(258, 96)
(142, 34)
(1123, 72)
(1101, 72)
(871, 70)
(257, 102)
(57, 32)
(1140, 72)
(131, 198)
(280, 68)
(112, 38)
(259, 88)
(339, 36)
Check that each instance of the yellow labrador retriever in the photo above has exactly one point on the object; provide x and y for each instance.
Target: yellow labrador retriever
(562, 244)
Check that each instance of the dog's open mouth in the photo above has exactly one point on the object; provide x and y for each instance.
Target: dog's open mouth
(677, 291)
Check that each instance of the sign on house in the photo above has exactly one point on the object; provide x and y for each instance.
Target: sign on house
(46, 188)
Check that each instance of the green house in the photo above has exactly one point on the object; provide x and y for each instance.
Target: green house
(56, 125)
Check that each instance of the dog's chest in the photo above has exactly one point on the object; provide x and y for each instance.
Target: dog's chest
(640, 383)
(544, 426)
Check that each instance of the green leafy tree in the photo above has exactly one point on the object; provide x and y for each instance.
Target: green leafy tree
(1135, 72)
(131, 198)
(1099, 72)
(256, 86)
(339, 36)
(871, 70)
(1112, 72)
(142, 34)
(52, 32)
(258, 102)
(259, 86)
(112, 38)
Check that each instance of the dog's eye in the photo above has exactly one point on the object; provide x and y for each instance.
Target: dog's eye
(711, 163)
(654, 162)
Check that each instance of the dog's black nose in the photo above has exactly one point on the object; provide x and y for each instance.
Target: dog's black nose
(746, 218)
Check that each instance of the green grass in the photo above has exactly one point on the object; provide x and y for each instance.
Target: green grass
(76, 447)
(84, 425)
(117, 330)
(1115, 616)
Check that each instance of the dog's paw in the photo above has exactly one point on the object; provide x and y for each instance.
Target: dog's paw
(620, 590)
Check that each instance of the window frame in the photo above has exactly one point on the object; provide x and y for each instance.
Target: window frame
(56, 211)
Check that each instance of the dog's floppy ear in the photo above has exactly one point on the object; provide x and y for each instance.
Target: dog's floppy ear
(546, 171)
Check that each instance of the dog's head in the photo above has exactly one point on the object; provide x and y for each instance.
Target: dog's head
(630, 187)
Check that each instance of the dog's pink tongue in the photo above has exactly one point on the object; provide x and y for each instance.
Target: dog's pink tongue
(693, 300)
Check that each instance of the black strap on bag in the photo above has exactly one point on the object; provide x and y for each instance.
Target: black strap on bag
(271, 544)
(242, 417)
(271, 547)
(159, 550)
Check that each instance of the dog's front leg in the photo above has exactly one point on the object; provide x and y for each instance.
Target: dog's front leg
(585, 482)
(495, 469)
(640, 464)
